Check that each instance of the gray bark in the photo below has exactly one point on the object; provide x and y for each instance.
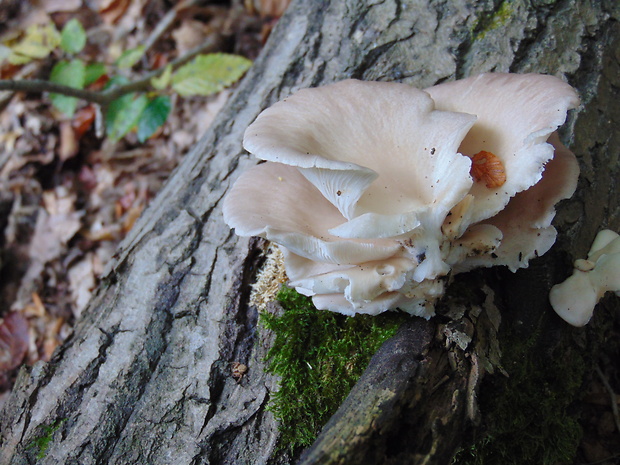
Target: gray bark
(145, 377)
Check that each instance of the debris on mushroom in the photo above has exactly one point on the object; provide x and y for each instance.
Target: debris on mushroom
(574, 299)
(377, 192)
(488, 168)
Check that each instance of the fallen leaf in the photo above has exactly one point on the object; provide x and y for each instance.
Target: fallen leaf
(189, 34)
(81, 283)
(130, 218)
(52, 338)
(273, 8)
(112, 10)
(83, 120)
(38, 42)
(69, 146)
(13, 340)
(53, 6)
(87, 177)
(36, 309)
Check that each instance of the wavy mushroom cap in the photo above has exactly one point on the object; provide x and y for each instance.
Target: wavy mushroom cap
(377, 190)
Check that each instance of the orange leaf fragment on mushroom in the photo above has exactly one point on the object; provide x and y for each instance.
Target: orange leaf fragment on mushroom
(488, 168)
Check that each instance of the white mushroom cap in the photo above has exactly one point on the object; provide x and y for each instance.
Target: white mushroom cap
(516, 115)
(525, 222)
(294, 214)
(574, 299)
(359, 143)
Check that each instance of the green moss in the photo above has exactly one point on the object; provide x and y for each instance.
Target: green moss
(488, 21)
(319, 356)
(528, 412)
(42, 443)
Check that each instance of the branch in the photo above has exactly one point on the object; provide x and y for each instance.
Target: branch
(167, 21)
(407, 391)
(105, 97)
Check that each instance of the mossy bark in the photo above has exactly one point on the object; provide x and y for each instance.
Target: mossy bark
(146, 378)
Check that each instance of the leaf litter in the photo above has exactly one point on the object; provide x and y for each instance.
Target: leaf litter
(68, 193)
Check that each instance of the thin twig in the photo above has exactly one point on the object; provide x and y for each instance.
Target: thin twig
(612, 394)
(106, 96)
(167, 21)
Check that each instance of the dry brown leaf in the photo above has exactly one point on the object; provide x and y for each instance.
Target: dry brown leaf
(13, 340)
(130, 218)
(99, 232)
(189, 34)
(54, 6)
(81, 283)
(51, 338)
(83, 120)
(87, 177)
(112, 10)
(273, 8)
(36, 309)
(63, 220)
(158, 60)
(68, 147)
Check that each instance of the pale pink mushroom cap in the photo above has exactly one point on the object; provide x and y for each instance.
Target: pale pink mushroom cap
(367, 191)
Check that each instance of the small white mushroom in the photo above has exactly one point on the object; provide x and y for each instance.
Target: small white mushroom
(574, 299)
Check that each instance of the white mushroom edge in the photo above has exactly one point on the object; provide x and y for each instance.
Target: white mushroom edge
(574, 299)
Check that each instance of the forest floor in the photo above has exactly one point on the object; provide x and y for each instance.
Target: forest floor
(69, 194)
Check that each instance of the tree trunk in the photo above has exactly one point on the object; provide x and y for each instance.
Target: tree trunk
(146, 376)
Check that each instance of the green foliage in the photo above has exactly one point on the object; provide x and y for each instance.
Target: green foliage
(208, 74)
(135, 111)
(130, 57)
(93, 71)
(70, 73)
(127, 115)
(528, 411)
(205, 75)
(42, 443)
(73, 37)
(319, 356)
(153, 116)
(163, 80)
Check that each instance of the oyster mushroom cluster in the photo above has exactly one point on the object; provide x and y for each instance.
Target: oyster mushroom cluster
(377, 192)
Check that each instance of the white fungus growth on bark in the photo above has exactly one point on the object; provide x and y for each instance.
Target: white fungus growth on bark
(574, 299)
(377, 192)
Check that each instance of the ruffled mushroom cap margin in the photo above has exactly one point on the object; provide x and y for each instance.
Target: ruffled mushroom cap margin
(367, 185)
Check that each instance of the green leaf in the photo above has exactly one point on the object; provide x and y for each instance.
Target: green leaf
(93, 72)
(73, 37)
(130, 57)
(208, 74)
(163, 80)
(127, 117)
(153, 116)
(118, 105)
(69, 73)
